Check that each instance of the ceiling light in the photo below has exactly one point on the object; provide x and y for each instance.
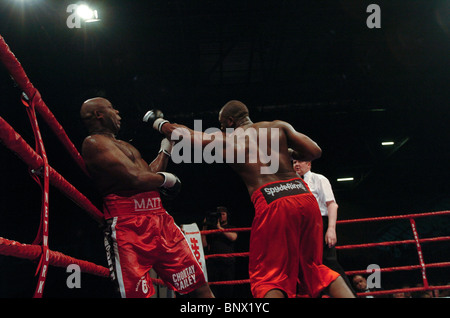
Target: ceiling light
(387, 143)
(345, 179)
(87, 14)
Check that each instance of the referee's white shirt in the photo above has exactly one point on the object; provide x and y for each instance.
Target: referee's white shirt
(321, 188)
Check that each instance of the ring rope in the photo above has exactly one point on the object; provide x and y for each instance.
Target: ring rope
(425, 240)
(244, 254)
(19, 76)
(403, 290)
(401, 268)
(394, 217)
(244, 229)
(230, 282)
(58, 259)
(33, 252)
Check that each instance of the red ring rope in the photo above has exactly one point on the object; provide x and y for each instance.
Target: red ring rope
(33, 252)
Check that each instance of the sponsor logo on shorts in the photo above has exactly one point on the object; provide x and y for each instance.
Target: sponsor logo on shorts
(184, 278)
(283, 189)
(147, 204)
(143, 285)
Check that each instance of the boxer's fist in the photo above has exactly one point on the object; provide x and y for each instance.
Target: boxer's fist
(152, 115)
(166, 147)
(171, 186)
(171, 193)
(155, 117)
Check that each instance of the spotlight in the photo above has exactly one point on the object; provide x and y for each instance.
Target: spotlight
(87, 14)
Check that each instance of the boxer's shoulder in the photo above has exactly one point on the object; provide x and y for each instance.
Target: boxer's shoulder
(271, 124)
(95, 141)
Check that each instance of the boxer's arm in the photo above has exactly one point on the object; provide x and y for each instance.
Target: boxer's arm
(305, 149)
(108, 162)
(330, 235)
(161, 161)
(174, 131)
(159, 164)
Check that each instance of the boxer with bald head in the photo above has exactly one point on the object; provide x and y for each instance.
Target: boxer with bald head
(140, 233)
(285, 256)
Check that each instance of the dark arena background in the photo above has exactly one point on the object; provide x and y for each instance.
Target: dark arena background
(315, 64)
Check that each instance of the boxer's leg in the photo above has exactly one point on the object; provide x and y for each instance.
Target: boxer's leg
(202, 292)
(177, 265)
(131, 276)
(275, 293)
(339, 289)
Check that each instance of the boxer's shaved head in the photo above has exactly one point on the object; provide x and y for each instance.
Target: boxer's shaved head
(91, 105)
(232, 113)
(235, 109)
(99, 115)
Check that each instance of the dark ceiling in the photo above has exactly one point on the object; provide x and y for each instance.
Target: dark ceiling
(313, 63)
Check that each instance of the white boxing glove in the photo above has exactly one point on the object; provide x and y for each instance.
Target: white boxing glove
(170, 180)
(171, 186)
(166, 147)
(155, 117)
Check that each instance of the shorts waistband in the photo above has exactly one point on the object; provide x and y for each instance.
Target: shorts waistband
(277, 189)
(138, 204)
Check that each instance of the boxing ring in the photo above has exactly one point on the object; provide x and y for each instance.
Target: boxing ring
(45, 175)
(417, 242)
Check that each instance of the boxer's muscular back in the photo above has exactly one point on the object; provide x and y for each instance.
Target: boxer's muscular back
(287, 137)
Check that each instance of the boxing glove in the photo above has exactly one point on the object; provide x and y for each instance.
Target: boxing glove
(166, 147)
(171, 186)
(155, 117)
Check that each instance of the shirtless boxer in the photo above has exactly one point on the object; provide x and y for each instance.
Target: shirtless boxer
(285, 256)
(142, 233)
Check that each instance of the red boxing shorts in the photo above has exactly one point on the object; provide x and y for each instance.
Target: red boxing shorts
(140, 236)
(286, 241)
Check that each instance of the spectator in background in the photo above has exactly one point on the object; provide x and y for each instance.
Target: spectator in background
(422, 293)
(444, 293)
(360, 284)
(402, 294)
(321, 188)
(220, 268)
